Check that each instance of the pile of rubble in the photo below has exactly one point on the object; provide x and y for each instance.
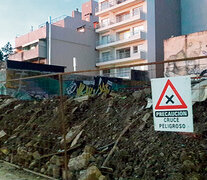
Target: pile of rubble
(107, 137)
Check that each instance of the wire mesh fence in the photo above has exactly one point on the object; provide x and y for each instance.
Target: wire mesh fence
(37, 113)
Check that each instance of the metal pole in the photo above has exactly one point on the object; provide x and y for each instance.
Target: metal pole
(74, 64)
(62, 118)
(50, 41)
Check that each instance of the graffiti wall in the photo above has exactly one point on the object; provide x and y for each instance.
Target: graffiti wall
(192, 45)
(48, 87)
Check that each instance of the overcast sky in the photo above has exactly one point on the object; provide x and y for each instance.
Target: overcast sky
(17, 16)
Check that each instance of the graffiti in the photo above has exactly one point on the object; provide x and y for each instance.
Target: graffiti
(38, 95)
(48, 87)
(102, 88)
(182, 47)
(71, 88)
(97, 86)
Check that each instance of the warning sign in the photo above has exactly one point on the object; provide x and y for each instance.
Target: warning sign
(172, 104)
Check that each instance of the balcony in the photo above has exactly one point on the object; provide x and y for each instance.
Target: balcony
(114, 6)
(115, 41)
(121, 58)
(119, 22)
(29, 54)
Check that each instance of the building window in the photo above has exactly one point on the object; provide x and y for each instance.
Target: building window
(124, 35)
(123, 72)
(122, 17)
(135, 49)
(105, 56)
(136, 11)
(104, 5)
(105, 22)
(106, 72)
(105, 39)
(123, 53)
(120, 1)
(138, 48)
(30, 47)
(81, 29)
(137, 29)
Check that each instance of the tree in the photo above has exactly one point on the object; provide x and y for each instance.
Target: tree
(7, 50)
(1, 56)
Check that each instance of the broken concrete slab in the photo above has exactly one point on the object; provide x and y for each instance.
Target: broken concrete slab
(80, 162)
(2, 133)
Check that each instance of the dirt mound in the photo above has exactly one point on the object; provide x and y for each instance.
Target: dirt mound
(120, 125)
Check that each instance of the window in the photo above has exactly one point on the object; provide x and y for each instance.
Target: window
(137, 29)
(81, 29)
(138, 48)
(123, 53)
(122, 17)
(105, 22)
(123, 72)
(104, 5)
(105, 56)
(136, 11)
(123, 35)
(135, 49)
(120, 1)
(105, 39)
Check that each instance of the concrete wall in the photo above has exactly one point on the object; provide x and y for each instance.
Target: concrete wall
(67, 43)
(163, 22)
(194, 16)
(192, 45)
(88, 11)
(31, 36)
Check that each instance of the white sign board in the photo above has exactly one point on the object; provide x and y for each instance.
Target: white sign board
(172, 104)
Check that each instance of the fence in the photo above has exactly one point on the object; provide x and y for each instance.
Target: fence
(38, 134)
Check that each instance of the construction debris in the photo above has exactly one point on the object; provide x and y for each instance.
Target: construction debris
(110, 137)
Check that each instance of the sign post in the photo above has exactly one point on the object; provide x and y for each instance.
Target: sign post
(172, 104)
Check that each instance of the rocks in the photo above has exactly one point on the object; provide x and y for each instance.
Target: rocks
(69, 175)
(80, 162)
(72, 133)
(4, 150)
(183, 156)
(56, 160)
(2, 134)
(6, 103)
(56, 171)
(75, 141)
(36, 155)
(82, 98)
(188, 166)
(138, 95)
(92, 173)
(176, 176)
(34, 140)
(146, 117)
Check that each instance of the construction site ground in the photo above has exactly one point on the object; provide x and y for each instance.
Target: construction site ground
(108, 137)
(8, 172)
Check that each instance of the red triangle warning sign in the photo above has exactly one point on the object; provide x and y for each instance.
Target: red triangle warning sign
(170, 99)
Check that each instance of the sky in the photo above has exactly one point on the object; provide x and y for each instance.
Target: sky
(17, 16)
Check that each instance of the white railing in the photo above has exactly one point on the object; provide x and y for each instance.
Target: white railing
(117, 38)
(109, 4)
(119, 19)
(105, 59)
(123, 55)
(139, 55)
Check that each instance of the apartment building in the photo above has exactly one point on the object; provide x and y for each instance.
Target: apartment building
(122, 35)
(132, 32)
(66, 41)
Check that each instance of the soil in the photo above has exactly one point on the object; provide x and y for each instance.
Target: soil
(10, 173)
(141, 153)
